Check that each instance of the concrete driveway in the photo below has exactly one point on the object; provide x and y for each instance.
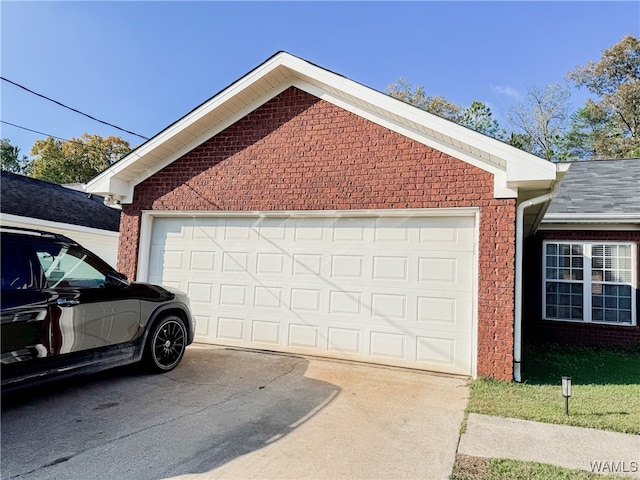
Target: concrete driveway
(227, 413)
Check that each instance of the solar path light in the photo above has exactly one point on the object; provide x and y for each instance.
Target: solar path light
(566, 393)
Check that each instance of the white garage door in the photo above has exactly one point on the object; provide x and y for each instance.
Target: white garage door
(389, 290)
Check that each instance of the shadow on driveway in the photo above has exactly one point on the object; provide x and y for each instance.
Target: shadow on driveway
(219, 404)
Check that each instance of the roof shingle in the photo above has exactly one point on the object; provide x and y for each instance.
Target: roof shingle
(28, 197)
(599, 187)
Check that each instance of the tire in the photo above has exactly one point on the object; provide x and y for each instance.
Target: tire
(166, 344)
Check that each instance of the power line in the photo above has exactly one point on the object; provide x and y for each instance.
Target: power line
(72, 109)
(101, 150)
(36, 131)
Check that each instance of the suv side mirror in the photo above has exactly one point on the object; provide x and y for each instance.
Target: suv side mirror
(117, 279)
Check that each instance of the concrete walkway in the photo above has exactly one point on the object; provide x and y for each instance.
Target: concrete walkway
(570, 447)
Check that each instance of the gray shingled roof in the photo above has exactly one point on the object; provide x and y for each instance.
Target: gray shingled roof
(28, 197)
(599, 187)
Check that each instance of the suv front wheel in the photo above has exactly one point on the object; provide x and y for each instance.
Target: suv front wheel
(166, 344)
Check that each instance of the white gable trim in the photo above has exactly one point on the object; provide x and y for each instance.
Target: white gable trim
(39, 224)
(512, 168)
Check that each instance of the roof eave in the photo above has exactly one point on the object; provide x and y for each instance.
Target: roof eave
(513, 169)
(591, 221)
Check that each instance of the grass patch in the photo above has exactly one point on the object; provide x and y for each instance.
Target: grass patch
(477, 468)
(605, 393)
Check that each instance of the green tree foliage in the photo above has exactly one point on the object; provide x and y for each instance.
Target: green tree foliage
(609, 126)
(10, 157)
(478, 117)
(543, 120)
(77, 160)
(438, 105)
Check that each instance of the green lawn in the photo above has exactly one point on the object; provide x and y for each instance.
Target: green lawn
(476, 468)
(605, 394)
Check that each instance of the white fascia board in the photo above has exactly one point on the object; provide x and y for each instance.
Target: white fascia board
(514, 168)
(522, 169)
(177, 127)
(175, 155)
(501, 188)
(38, 223)
(591, 221)
(595, 227)
(551, 218)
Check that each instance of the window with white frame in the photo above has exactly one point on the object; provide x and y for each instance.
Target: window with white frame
(589, 282)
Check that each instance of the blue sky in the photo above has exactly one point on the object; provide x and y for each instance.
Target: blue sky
(143, 65)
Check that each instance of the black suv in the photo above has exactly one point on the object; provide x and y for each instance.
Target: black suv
(65, 312)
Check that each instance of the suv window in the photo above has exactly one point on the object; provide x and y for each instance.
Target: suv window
(66, 266)
(17, 271)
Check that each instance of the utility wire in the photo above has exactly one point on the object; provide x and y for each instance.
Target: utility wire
(36, 131)
(101, 150)
(72, 109)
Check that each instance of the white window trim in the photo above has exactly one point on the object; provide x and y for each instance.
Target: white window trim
(587, 283)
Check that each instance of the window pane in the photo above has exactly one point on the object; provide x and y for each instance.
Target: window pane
(68, 268)
(17, 272)
(624, 316)
(612, 304)
(564, 301)
(564, 273)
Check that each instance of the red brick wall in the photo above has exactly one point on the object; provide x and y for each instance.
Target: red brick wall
(573, 333)
(298, 152)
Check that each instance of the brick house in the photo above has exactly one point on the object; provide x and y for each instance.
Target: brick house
(306, 213)
(582, 265)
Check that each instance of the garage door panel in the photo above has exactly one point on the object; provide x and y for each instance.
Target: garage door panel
(344, 340)
(389, 290)
(446, 270)
(266, 332)
(444, 310)
(170, 229)
(230, 328)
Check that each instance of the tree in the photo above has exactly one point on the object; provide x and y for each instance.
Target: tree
(543, 120)
(418, 98)
(77, 160)
(478, 117)
(609, 126)
(10, 157)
